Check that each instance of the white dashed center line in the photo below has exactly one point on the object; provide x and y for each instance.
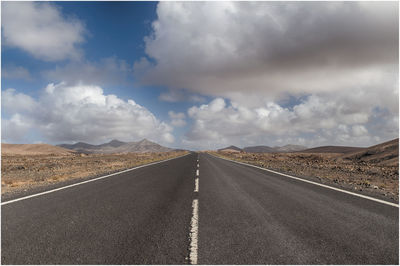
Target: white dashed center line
(194, 224)
(196, 185)
(194, 232)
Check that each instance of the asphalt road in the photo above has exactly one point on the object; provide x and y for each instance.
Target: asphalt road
(245, 216)
(138, 217)
(250, 216)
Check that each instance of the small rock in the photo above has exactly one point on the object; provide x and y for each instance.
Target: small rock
(375, 187)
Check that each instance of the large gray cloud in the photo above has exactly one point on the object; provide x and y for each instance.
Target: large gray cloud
(41, 30)
(338, 59)
(269, 49)
(66, 113)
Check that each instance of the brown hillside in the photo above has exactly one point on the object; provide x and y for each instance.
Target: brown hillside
(229, 150)
(386, 153)
(333, 149)
(32, 149)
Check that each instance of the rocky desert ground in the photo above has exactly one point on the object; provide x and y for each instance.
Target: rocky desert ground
(25, 167)
(374, 170)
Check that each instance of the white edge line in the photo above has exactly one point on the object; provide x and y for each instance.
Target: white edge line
(87, 181)
(194, 232)
(197, 172)
(311, 182)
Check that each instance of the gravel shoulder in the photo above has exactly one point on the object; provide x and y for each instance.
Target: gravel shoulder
(24, 173)
(374, 179)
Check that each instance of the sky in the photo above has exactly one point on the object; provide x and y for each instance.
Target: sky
(200, 75)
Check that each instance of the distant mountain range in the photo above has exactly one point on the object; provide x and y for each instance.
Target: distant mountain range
(286, 148)
(116, 146)
(231, 149)
(333, 149)
(33, 149)
(265, 149)
(386, 153)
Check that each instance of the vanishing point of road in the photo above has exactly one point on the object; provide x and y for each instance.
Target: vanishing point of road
(198, 209)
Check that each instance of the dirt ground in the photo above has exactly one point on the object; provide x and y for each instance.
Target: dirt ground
(20, 172)
(381, 178)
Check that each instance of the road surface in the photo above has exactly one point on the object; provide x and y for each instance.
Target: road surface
(198, 209)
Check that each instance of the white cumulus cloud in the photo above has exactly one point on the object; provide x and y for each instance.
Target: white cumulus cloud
(40, 29)
(80, 113)
(15, 72)
(108, 71)
(177, 119)
(316, 120)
